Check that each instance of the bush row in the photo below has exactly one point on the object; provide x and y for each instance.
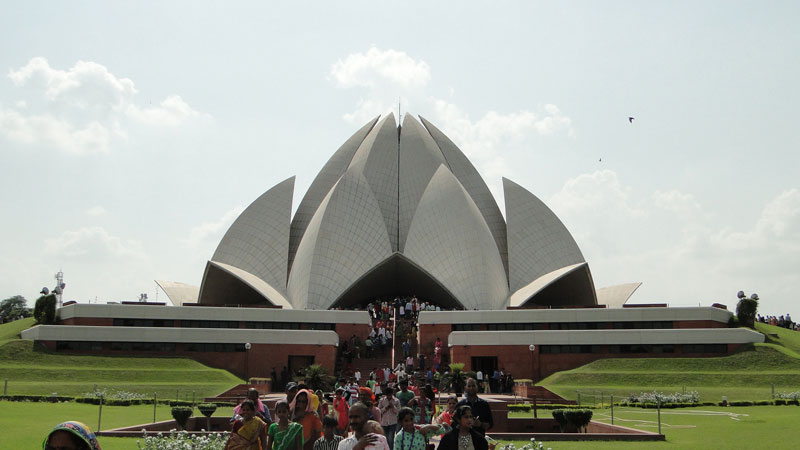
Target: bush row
(578, 418)
(777, 401)
(528, 408)
(96, 400)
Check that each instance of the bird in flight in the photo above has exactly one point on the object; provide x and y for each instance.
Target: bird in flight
(630, 119)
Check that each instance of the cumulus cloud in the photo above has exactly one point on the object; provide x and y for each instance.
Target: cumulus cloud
(777, 228)
(208, 232)
(53, 132)
(93, 244)
(669, 240)
(96, 211)
(81, 110)
(376, 67)
(386, 76)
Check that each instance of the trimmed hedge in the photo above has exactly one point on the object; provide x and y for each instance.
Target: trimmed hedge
(528, 408)
(106, 401)
(579, 418)
(37, 398)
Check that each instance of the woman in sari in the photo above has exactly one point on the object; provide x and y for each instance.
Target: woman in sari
(283, 434)
(446, 417)
(249, 432)
(304, 414)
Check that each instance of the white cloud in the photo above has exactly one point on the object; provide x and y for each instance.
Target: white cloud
(209, 232)
(93, 244)
(670, 241)
(377, 67)
(86, 84)
(386, 76)
(96, 211)
(171, 112)
(81, 110)
(50, 131)
(777, 229)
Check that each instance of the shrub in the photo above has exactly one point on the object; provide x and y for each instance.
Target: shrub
(788, 395)
(579, 418)
(44, 310)
(183, 440)
(207, 409)
(561, 418)
(520, 407)
(181, 414)
(175, 403)
(656, 397)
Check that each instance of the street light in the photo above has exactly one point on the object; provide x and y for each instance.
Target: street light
(532, 348)
(247, 347)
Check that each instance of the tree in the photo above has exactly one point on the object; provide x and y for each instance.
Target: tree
(456, 379)
(746, 309)
(316, 378)
(45, 309)
(14, 307)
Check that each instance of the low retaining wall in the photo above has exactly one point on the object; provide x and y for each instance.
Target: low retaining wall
(193, 426)
(547, 430)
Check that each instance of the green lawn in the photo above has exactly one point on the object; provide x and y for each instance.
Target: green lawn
(11, 330)
(757, 427)
(747, 375)
(760, 427)
(33, 370)
(787, 338)
(26, 424)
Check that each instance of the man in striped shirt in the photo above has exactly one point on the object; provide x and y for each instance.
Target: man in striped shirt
(329, 439)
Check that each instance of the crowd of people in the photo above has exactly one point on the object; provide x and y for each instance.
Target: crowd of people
(400, 417)
(781, 321)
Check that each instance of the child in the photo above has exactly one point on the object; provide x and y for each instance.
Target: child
(283, 434)
(329, 439)
(408, 438)
(373, 427)
(340, 408)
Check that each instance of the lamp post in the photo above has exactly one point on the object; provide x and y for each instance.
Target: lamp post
(247, 347)
(532, 348)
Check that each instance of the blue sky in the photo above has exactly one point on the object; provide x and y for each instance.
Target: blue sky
(132, 134)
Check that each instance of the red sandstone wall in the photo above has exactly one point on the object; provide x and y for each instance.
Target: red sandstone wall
(522, 363)
(346, 330)
(429, 332)
(262, 357)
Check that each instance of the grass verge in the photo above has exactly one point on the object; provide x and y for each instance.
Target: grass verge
(29, 423)
(36, 371)
(747, 375)
(11, 330)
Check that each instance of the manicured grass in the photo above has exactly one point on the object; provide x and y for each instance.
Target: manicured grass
(11, 330)
(33, 370)
(787, 338)
(747, 375)
(757, 427)
(26, 424)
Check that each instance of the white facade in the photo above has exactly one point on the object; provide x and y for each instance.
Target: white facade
(404, 206)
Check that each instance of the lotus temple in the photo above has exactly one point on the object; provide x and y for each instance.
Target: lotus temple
(397, 211)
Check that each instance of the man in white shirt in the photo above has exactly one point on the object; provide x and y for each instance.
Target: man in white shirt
(357, 376)
(358, 416)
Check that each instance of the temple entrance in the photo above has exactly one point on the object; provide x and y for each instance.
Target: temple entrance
(299, 362)
(396, 277)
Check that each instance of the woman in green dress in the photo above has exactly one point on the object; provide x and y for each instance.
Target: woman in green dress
(283, 434)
